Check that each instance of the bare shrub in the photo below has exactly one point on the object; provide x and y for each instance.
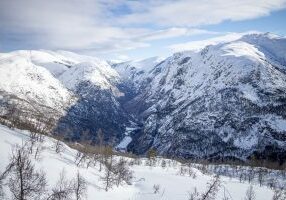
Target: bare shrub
(163, 163)
(156, 188)
(34, 145)
(182, 170)
(1, 186)
(80, 158)
(261, 174)
(38, 149)
(212, 189)
(250, 194)
(279, 195)
(122, 173)
(58, 146)
(63, 188)
(3, 176)
(210, 193)
(192, 173)
(24, 181)
(194, 195)
(226, 196)
(79, 187)
(137, 161)
(108, 178)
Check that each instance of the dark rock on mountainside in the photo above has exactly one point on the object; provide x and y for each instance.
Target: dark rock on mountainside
(96, 109)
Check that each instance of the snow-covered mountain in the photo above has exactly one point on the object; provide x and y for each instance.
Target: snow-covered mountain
(98, 105)
(135, 71)
(95, 83)
(21, 76)
(226, 100)
(61, 88)
(30, 92)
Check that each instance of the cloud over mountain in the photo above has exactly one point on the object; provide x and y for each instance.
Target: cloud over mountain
(104, 26)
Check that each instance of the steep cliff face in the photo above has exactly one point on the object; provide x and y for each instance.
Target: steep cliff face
(95, 84)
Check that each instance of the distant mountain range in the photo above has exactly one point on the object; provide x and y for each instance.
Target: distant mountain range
(226, 101)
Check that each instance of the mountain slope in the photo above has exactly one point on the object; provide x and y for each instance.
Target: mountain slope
(64, 91)
(20, 76)
(227, 100)
(98, 107)
(135, 71)
(96, 84)
(29, 92)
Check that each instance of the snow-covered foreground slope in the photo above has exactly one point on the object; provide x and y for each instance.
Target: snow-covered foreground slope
(172, 185)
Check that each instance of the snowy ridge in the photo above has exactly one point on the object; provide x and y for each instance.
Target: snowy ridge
(20, 76)
(126, 69)
(99, 74)
(136, 71)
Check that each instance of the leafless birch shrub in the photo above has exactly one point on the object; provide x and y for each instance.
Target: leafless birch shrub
(58, 146)
(24, 181)
(194, 195)
(156, 188)
(213, 188)
(108, 178)
(79, 187)
(210, 193)
(279, 195)
(122, 173)
(250, 194)
(63, 189)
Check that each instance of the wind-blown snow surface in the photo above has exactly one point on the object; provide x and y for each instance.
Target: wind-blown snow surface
(172, 185)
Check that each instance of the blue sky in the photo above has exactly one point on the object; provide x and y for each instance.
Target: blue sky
(122, 30)
(274, 23)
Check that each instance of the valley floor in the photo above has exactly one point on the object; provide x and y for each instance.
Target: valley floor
(172, 185)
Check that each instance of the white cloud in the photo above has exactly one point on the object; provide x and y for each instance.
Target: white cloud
(195, 13)
(119, 58)
(122, 57)
(198, 45)
(63, 24)
(106, 25)
(172, 32)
